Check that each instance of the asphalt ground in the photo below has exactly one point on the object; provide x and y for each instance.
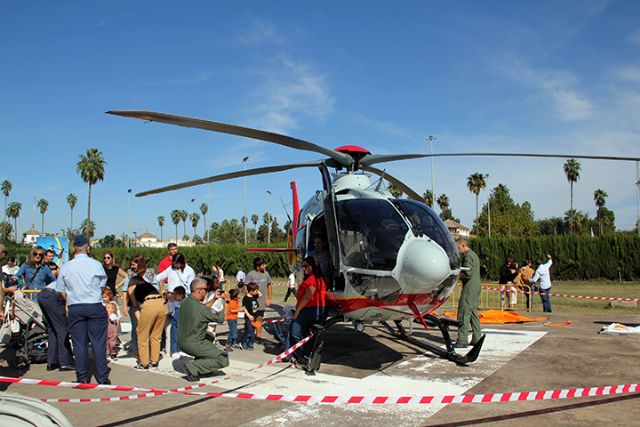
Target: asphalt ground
(516, 357)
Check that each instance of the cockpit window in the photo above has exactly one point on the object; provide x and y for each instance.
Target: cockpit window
(425, 221)
(371, 233)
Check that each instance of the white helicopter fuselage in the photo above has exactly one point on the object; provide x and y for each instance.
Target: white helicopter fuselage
(388, 253)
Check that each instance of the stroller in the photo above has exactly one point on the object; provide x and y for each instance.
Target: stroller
(24, 328)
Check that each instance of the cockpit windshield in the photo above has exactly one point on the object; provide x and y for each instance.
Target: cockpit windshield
(371, 233)
(424, 221)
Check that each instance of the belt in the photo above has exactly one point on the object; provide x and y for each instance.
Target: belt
(153, 297)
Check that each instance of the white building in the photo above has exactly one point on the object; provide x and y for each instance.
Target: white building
(458, 230)
(149, 240)
(29, 237)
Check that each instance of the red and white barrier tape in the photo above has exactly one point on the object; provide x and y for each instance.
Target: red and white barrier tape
(506, 290)
(277, 320)
(570, 393)
(150, 392)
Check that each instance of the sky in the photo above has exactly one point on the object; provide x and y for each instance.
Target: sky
(544, 77)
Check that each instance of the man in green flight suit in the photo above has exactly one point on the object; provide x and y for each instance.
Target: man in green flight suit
(469, 297)
(192, 332)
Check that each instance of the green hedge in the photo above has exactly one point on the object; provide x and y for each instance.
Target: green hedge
(574, 257)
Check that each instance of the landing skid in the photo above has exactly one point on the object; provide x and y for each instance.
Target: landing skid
(443, 325)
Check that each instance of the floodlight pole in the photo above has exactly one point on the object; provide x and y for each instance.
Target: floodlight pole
(486, 177)
(638, 197)
(269, 216)
(244, 207)
(129, 217)
(430, 138)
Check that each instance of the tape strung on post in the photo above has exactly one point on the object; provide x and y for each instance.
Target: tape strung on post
(518, 291)
(570, 393)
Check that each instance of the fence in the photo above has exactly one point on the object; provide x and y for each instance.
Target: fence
(493, 300)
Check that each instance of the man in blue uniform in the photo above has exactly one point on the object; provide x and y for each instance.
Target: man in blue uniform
(82, 280)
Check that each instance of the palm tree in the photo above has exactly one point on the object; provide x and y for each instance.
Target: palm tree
(475, 183)
(254, 219)
(13, 211)
(574, 220)
(428, 198)
(194, 222)
(443, 202)
(72, 200)
(184, 216)
(6, 190)
(88, 228)
(43, 205)
(204, 208)
(175, 218)
(395, 192)
(600, 199)
(91, 170)
(572, 171)
(161, 224)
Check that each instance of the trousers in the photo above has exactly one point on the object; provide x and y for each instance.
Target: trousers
(88, 323)
(150, 325)
(207, 357)
(468, 315)
(59, 344)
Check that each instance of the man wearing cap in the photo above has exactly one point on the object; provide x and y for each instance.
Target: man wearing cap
(260, 276)
(82, 280)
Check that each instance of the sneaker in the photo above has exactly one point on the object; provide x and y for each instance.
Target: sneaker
(114, 358)
(192, 378)
(237, 346)
(228, 347)
(140, 367)
(154, 365)
(460, 345)
(176, 356)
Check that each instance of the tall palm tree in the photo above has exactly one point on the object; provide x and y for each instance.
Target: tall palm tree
(13, 211)
(175, 218)
(195, 218)
(395, 192)
(161, 224)
(91, 170)
(6, 190)
(428, 198)
(184, 216)
(475, 183)
(443, 202)
(43, 205)
(204, 208)
(600, 199)
(572, 171)
(574, 220)
(72, 200)
(88, 228)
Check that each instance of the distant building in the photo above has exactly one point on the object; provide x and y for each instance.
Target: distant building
(149, 240)
(29, 237)
(456, 229)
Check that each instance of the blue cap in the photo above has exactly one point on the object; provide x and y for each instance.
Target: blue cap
(80, 240)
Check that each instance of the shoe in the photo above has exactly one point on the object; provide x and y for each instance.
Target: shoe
(52, 367)
(65, 368)
(141, 368)
(192, 378)
(114, 358)
(154, 365)
(176, 356)
(106, 382)
(228, 347)
(460, 345)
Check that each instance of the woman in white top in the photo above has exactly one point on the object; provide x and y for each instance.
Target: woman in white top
(180, 274)
(10, 268)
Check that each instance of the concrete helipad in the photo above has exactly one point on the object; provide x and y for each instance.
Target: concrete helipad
(515, 358)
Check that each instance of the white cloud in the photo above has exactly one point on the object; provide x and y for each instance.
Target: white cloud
(634, 37)
(258, 32)
(556, 88)
(628, 73)
(292, 90)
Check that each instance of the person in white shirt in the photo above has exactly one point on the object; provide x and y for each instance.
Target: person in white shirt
(543, 277)
(240, 276)
(180, 274)
(10, 268)
(291, 283)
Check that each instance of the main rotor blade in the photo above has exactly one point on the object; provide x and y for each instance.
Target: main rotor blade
(287, 141)
(380, 158)
(396, 182)
(230, 175)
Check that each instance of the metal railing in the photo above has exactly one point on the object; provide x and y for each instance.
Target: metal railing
(494, 300)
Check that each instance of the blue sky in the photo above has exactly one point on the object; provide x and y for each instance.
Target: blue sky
(551, 76)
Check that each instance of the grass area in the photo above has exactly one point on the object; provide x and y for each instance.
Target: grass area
(559, 304)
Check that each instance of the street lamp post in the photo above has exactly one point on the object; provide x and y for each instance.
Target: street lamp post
(129, 217)
(269, 217)
(488, 207)
(244, 204)
(431, 138)
(638, 197)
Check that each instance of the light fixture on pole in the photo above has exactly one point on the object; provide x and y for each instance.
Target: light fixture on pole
(269, 218)
(129, 217)
(244, 204)
(431, 138)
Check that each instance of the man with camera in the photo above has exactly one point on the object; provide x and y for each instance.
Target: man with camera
(192, 332)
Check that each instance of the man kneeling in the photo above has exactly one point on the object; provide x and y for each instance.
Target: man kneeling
(194, 318)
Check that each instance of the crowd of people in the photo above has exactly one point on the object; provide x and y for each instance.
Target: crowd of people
(84, 301)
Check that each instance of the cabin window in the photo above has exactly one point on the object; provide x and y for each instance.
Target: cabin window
(371, 233)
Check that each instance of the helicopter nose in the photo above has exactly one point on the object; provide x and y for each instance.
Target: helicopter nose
(424, 265)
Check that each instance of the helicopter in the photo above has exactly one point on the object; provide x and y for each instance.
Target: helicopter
(392, 259)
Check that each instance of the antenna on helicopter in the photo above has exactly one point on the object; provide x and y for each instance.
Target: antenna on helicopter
(284, 206)
(380, 180)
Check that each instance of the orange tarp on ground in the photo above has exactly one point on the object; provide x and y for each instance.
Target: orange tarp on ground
(499, 317)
